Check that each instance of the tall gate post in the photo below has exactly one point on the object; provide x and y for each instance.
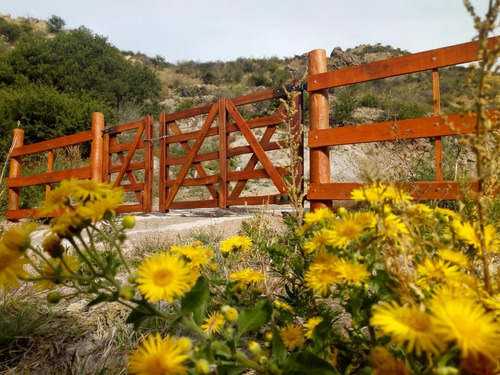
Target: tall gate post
(96, 149)
(15, 169)
(223, 162)
(319, 118)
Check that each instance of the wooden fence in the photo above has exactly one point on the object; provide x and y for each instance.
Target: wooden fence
(131, 159)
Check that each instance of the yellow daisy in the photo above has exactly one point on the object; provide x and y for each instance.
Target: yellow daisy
(11, 267)
(465, 322)
(292, 336)
(235, 243)
(407, 326)
(311, 324)
(319, 241)
(386, 364)
(58, 198)
(17, 238)
(247, 276)
(346, 231)
(351, 272)
(455, 257)
(213, 323)
(321, 215)
(88, 190)
(56, 270)
(157, 356)
(469, 233)
(436, 271)
(392, 227)
(197, 256)
(163, 276)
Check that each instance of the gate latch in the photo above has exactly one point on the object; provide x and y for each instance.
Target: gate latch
(281, 198)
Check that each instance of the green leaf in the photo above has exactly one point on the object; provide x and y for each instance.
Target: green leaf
(137, 316)
(307, 363)
(196, 299)
(320, 335)
(279, 351)
(102, 297)
(255, 317)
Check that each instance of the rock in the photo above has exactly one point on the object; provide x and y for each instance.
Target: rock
(341, 59)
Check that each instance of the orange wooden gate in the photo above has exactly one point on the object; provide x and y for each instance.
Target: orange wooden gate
(190, 159)
(128, 162)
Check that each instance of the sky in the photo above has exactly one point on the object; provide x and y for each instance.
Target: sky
(212, 30)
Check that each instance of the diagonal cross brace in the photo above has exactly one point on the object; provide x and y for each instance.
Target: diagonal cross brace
(130, 154)
(191, 155)
(256, 147)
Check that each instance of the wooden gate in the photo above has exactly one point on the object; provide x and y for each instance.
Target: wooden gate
(128, 162)
(190, 159)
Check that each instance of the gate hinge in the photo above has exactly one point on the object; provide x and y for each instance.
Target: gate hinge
(281, 198)
(299, 87)
(109, 130)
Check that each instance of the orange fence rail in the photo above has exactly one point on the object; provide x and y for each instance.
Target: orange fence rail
(124, 153)
(321, 137)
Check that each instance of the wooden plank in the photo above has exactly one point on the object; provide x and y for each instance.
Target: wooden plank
(129, 156)
(65, 141)
(197, 181)
(196, 164)
(424, 190)
(164, 169)
(123, 127)
(254, 174)
(49, 178)
(257, 149)
(393, 130)
(137, 165)
(129, 208)
(212, 203)
(120, 147)
(147, 203)
(223, 158)
(254, 201)
(191, 112)
(260, 122)
(266, 137)
(417, 62)
(135, 187)
(189, 160)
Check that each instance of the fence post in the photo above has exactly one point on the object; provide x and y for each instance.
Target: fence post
(96, 149)
(223, 162)
(15, 169)
(319, 118)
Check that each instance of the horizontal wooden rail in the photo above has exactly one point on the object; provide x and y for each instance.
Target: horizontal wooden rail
(122, 128)
(425, 190)
(52, 144)
(417, 62)
(49, 178)
(396, 130)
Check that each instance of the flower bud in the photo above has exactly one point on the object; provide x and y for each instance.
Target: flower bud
(213, 267)
(254, 348)
(231, 315)
(185, 344)
(126, 292)
(128, 222)
(263, 361)
(202, 367)
(54, 297)
(342, 212)
(132, 278)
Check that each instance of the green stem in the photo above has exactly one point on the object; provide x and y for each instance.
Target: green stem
(239, 356)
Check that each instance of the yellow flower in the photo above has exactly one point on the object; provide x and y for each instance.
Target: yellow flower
(235, 243)
(292, 336)
(322, 273)
(421, 210)
(198, 256)
(346, 231)
(247, 276)
(367, 220)
(386, 364)
(319, 241)
(378, 193)
(456, 257)
(311, 324)
(88, 190)
(52, 244)
(448, 213)
(213, 323)
(436, 271)
(465, 322)
(321, 215)
(11, 267)
(54, 271)
(469, 233)
(392, 227)
(351, 272)
(407, 326)
(157, 356)
(285, 306)
(58, 198)
(163, 276)
(17, 238)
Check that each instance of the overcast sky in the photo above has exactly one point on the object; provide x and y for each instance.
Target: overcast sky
(209, 30)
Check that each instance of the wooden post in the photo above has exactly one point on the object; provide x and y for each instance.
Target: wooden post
(96, 149)
(15, 169)
(319, 117)
(438, 144)
(164, 169)
(148, 165)
(223, 162)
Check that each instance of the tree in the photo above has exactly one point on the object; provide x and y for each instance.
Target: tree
(56, 23)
